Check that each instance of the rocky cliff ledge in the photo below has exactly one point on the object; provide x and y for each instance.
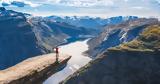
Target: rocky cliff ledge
(33, 70)
(120, 67)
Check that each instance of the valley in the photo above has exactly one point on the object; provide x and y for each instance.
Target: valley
(77, 61)
(26, 36)
(112, 50)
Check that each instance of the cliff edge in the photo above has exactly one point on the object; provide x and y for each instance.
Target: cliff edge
(33, 70)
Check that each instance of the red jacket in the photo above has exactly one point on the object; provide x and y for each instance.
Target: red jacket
(57, 50)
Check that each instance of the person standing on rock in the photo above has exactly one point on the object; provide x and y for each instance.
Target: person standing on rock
(57, 53)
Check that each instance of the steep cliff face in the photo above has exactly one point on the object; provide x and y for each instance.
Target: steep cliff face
(23, 36)
(120, 67)
(125, 64)
(114, 35)
(17, 40)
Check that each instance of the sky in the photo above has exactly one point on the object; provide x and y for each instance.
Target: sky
(99, 8)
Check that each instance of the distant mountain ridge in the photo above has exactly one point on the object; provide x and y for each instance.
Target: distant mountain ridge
(90, 22)
(113, 35)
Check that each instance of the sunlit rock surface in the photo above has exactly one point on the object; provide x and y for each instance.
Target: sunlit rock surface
(33, 70)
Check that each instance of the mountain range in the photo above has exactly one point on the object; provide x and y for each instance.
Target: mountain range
(134, 62)
(91, 22)
(23, 36)
(116, 45)
(113, 35)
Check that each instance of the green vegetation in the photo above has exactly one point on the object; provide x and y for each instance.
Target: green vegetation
(149, 39)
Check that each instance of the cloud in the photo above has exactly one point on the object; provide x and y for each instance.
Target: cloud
(126, 0)
(74, 3)
(14, 3)
(138, 8)
(33, 4)
(158, 1)
(90, 7)
(19, 3)
(86, 3)
(5, 4)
